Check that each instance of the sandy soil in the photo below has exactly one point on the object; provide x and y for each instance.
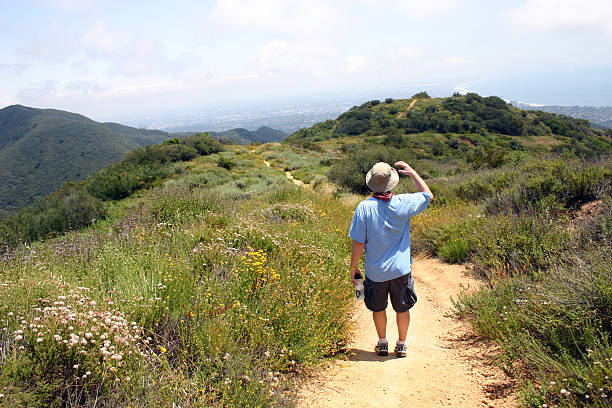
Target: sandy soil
(447, 364)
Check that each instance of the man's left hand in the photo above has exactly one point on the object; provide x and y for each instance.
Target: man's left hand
(354, 272)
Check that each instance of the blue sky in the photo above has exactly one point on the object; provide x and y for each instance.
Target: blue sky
(110, 59)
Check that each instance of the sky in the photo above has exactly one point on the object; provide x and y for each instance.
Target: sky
(112, 59)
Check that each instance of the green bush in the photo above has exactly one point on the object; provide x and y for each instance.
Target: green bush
(421, 95)
(204, 144)
(226, 163)
(70, 207)
(122, 179)
(350, 171)
(455, 251)
(559, 327)
(553, 185)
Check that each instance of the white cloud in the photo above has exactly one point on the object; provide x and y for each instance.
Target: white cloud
(302, 16)
(356, 63)
(457, 60)
(80, 88)
(53, 44)
(130, 55)
(35, 92)
(424, 8)
(72, 5)
(404, 54)
(544, 15)
(13, 68)
(316, 58)
(102, 40)
(242, 77)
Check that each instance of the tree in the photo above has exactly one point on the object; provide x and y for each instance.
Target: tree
(421, 95)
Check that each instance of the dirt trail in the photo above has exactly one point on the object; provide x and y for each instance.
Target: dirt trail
(290, 177)
(403, 114)
(447, 365)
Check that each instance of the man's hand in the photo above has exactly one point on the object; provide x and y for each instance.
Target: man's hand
(409, 171)
(354, 271)
(406, 169)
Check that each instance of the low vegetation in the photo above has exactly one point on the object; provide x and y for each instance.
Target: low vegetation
(206, 278)
(190, 295)
(40, 149)
(77, 205)
(460, 125)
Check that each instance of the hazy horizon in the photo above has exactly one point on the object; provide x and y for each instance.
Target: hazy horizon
(113, 61)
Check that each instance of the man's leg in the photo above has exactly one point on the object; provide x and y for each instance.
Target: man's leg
(380, 321)
(376, 295)
(403, 321)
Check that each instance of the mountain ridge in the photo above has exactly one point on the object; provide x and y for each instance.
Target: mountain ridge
(40, 149)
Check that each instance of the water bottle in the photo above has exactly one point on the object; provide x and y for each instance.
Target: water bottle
(359, 287)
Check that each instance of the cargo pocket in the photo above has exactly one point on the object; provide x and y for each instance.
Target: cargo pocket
(410, 297)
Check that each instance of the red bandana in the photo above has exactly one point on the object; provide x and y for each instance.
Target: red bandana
(383, 196)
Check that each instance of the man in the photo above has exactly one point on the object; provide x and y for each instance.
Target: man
(381, 226)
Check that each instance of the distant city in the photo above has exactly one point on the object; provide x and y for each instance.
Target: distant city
(290, 116)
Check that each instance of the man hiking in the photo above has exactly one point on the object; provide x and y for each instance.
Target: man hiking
(381, 226)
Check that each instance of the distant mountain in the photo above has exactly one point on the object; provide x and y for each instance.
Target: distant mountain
(40, 149)
(597, 115)
(242, 136)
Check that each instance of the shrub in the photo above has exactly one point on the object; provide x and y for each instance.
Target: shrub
(553, 185)
(455, 251)
(204, 144)
(421, 95)
(123, 179)
(288, 212)
(73, 351)
(226, 163)
(353, 126)
(349, 172)
(558, 327)
(70, 207)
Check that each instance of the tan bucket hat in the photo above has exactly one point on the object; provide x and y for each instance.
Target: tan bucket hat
(382, 178)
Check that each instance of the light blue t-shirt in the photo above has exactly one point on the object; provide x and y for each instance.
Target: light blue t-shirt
(385, 229)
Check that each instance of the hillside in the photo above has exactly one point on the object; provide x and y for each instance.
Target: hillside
(459, 125)
(40, 149)
(242, 136)
(224, 283)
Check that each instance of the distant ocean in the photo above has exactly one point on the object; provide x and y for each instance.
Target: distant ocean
(586, 87)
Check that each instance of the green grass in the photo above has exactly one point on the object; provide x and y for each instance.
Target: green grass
(231, 275)
(547, 299)
(305, 165)
(236, 295)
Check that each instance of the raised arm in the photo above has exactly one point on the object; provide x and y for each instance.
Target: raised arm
(409, 171)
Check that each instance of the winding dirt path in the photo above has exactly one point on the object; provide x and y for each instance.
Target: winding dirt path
(290, 176)
(403, 114)
(447, 364)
